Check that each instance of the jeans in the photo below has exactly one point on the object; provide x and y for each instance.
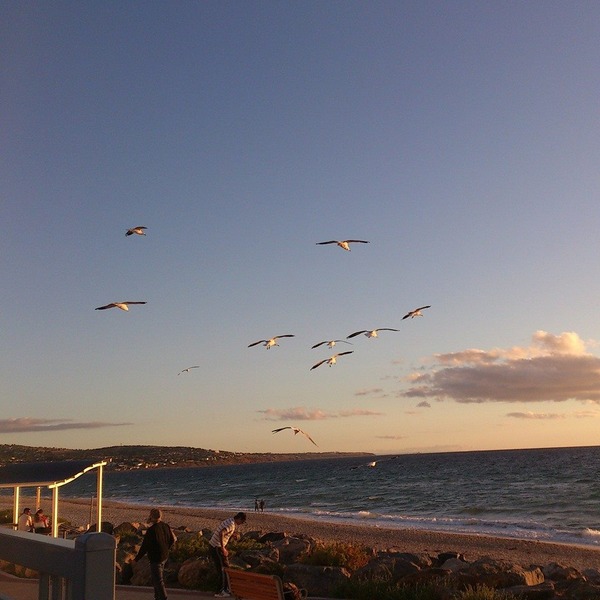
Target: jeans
(221, 561)
(157, 572)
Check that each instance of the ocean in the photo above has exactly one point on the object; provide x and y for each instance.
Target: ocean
(544, 494)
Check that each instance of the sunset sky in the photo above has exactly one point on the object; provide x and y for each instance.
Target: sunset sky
(461, 139)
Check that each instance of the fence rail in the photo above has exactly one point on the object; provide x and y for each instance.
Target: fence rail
(80, 569)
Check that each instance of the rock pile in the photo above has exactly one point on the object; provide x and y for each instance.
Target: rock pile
(285, 555)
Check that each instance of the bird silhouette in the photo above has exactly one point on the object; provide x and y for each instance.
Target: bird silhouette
(331, 360)
(296, 431)
(416, 312)
(345, 244)
(270, 342)
(187, 370)
(121, 305)
(137, 230)
(370, 333)
(330, 343)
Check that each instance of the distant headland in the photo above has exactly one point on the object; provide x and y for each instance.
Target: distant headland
(125, 458)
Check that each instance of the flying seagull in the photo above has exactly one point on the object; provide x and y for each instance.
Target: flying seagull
(137, 230)
(330, 343)
(345, 244)
(296, 431)
(121, 305)
(370, 333)
(188, 369)
(331, 360)
(271, 342)
(416, 313)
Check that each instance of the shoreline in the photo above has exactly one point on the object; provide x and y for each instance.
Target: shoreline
(472, 546)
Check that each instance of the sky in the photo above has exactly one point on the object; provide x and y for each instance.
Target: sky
(460, 139)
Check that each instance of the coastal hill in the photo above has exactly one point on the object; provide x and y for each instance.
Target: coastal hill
(124, 458)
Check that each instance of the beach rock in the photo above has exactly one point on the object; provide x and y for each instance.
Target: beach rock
(542, 591)
(273, 537)
(105, 527)
(502, 573)
(455, 565)
(319, 581)
(422, 560)
(444, 556)
(253, 535)
(196, 573)
(427, 576)
(387, 568)
(291, 548)
(258, 557)
(577, 590)
(557, 572)
(592, 575)
(141, 572)
(126, 529)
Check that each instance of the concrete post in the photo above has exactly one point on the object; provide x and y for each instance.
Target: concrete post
(95, 573)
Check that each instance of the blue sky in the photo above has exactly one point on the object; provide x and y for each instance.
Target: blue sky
(460, 139)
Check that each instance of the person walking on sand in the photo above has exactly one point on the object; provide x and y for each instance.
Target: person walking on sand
(218, 549)
(157, 542)
(25, 522)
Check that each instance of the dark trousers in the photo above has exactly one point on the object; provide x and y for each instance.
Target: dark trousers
(221, 561)
(157, 571)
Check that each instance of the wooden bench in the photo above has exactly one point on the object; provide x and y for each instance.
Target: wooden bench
(253, 586)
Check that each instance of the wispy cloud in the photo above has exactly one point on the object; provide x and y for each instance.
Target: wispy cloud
(369, 392)
(424, 404)
(390, 437)
(28, 424)
(552, 368)
(536, 416)
(301, 413)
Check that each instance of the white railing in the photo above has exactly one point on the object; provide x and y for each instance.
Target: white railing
(80, 569)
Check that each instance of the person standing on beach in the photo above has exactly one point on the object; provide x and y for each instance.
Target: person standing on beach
(157, 542)
(218, 549)
(25, 522)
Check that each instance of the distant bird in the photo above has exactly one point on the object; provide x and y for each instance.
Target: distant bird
(345, 244)
(330, 343)
(271, 342)
(296, 431)
(416, 313)
(137, 230)
(121, 305)
(331, 360)
(372, 333)
(374, 463)
(188, 369)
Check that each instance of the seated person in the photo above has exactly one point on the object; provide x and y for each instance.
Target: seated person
(25, 522)
(41, 524)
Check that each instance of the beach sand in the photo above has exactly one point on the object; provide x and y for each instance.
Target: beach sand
(522, 552)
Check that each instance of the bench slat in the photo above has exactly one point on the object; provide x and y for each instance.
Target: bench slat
(254, 586)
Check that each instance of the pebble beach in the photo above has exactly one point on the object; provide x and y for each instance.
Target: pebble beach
(522, 552)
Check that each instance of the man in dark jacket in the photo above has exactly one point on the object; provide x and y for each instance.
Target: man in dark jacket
(156, 544)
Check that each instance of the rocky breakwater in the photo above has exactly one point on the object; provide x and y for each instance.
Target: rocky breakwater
(328, 569)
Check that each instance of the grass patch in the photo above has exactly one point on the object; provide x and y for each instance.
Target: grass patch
(337, 554)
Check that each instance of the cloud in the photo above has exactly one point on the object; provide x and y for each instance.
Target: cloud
(390, 437)
(424, 404)
(28, 424)
(369, 392)
(552, 368)
(532, 415)
(301, 413)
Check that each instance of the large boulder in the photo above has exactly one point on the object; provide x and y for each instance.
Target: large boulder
(557, 572)
(291, 548)
(542, 591)
(319, 581)
(196, 573)
(141, 572)
(387, 568)
(502, 573)
(273, 536)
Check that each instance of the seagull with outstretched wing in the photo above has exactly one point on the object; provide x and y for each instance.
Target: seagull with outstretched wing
(416, 312)
(370, 333)
(331, 360)
(345, 244)
(187, 370)
(296, 431)
(330, 343)
(121, 305)
(270, 342)
(137, 230)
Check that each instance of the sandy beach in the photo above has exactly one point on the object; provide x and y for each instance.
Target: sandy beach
(523, 552)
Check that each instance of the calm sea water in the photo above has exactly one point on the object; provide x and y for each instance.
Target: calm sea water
(545, 494)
